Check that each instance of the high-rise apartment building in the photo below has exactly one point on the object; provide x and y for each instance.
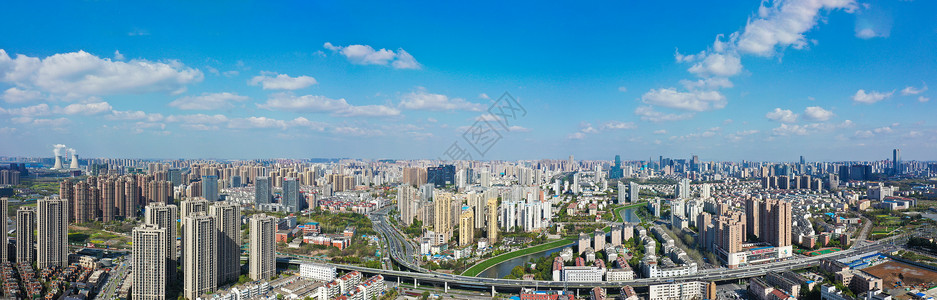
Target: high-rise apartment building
(776, 222)
(466, 227)
(262, 263)
(201, 257)
(406, 198)
(492, 220)
(634, 192)
(291, 194)
(52, 227)
(262, 188)
(165, 216)
(683, 189)
(150, 262)
(25, 239)
(4, 238)
(228, 224)
(191, 206)
(442, 203)
(752, 217)
(210, 187)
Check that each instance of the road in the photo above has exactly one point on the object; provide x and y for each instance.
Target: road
(112, 285)
(403, 252)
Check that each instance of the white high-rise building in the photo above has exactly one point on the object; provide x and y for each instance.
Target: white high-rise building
(191, 206)
(52, 226)
(682, 190)
(228, 223)
(622, 193)
(25, 239)
(508, 215)
(263, 247)
(150, 262)
(317, 272)
(200, 240)
(4, 238)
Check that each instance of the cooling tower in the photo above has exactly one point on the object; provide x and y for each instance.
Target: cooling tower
(74, 164)
(58, 162)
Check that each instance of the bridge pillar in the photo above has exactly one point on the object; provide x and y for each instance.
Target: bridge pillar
(414, 283)
(446, 288)
(492, 291)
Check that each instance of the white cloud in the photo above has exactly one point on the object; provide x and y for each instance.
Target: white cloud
(864, 134)
(207, 101)
(118, 56)
(576, 136)
(787, 129)
(483, 96)
(910, 90)
(366, 55)
(87, 108)
(586, 127)
(256, 122)
(368, 111)
(199, 127)
(357, 131)
(282, 81)
(647, 113)
(660, 131)
(15, 95)
(423, 100)
(134, 115)
(707, 83)
(81, 74)
(783, 24)
(692, 100)
(868, 33)
(622, 89)
(28, 111)
(717, 64)
(315, 103)
(517, 128)
(619, 125)
(870, 97)
(922, 99)
(197, 119)
(817, 113)
(58, 122)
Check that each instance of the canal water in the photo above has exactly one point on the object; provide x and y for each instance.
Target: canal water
(504, 268)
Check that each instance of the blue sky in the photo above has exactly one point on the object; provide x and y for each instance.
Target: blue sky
(827, 79)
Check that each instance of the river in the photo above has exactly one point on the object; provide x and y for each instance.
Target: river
(504, 268)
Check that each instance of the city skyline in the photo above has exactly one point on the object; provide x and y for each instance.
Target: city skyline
(316, 80)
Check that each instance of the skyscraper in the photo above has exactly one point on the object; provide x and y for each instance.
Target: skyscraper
(776, 222)
(682, 190)
(165, 216)
(492, 220)
(441, 176)
(466, 226)
(210, 187)
(200, 240)
(150, 262)
(191, 206)
(228, 223)
(753, 217)
(291, 194)
(262, 262)
(262, 187)
(4, 238)
(896, 161)
(442, 203)
(25, 239)
(634, 192)
(52, 226)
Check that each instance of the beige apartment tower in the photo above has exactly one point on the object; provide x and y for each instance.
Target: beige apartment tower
(492, 220)
(442, 204)
(228, 223)
(150, 262)
(466, 227)
(200, 255)
(52, 226)
(262, 247)
(193, 205)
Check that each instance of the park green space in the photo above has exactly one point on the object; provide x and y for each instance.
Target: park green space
(478, 268)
